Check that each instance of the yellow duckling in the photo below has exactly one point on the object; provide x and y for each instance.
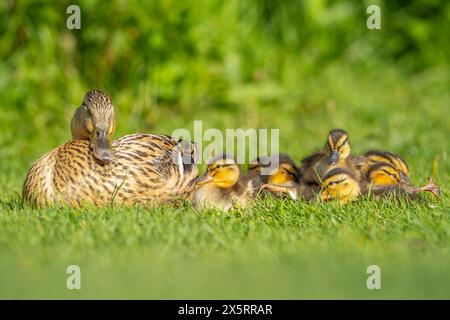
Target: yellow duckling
(336, 154)
(95, 121)
(277, 169)
(340, 184)
(375, 156)
(283, 179)
(222, 186)
(383, 179)
(146, 169)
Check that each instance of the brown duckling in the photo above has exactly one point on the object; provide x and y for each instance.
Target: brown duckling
(222, 186)
(336, 153)
(375, 156)
(94, 121)
(383, 179)
(277, 169)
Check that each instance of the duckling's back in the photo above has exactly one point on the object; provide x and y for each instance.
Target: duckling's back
(147, 168)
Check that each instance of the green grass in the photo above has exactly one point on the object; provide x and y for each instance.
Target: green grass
(277, 250)
(301, 66)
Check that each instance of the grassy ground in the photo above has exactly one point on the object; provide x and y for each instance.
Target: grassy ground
(278, 249)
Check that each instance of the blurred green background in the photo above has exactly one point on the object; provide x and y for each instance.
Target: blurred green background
(301, 66)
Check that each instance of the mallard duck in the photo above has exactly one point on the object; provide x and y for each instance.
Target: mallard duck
(146, 169)
(335, 154)
(375, 156)
(95, 121)
(223, 186)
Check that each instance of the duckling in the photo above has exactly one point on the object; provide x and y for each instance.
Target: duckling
(95, 121)
(336, 153)
(376, 156)
(222, 186)
(146, 169)
(281, 180)
(383, 179)
(340, 184)
(383, 174)
(277, 169)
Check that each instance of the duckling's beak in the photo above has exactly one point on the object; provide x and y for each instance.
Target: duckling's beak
(204, 179)
(334, 157)
(101, 146)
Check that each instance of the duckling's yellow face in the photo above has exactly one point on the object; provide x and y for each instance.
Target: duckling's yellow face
(383, 174)
(223, 173)
(337, 146)
(95, 121)
(340, 186)
(284, 174)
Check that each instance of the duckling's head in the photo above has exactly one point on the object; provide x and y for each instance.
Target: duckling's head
(383, 174)
(337, 146)
(375, 156)
(339, 184)
(95, 121)
(281, 169)
(222, 171)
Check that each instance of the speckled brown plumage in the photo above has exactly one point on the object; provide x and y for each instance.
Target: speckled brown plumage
(147, 169)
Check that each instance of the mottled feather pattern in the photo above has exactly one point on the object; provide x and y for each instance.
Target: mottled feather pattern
(143, 172)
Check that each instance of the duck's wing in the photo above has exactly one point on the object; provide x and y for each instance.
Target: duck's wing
(157, 165)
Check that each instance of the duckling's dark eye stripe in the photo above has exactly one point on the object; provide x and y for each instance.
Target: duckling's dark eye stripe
(218, 166)
(391, 174)
(334, 182)
(342, 144)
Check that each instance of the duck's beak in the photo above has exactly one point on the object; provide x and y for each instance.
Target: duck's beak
(204, 179)
(101, 146)
(334, 157)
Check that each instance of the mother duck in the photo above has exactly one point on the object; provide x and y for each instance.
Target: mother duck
(90, 169)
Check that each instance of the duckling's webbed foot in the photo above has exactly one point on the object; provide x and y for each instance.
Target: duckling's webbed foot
(432, 187)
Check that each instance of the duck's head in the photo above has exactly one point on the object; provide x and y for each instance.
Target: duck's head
(383, 174)
(339, 184)
(337, 146)
(222, 171)
(281, 169)
(95, 121)
(375, 156)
